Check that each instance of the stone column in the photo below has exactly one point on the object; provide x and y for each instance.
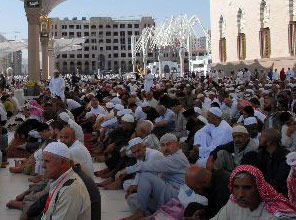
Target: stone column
(51, 58)
(160, 58)
(44, 45)
(182, 67)
(33, 17)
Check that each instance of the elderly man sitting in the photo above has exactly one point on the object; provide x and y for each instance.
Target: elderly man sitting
(230, 155)
(253, 198)
(143, 130)
(139, 151)
(158, 190)
(68, 195)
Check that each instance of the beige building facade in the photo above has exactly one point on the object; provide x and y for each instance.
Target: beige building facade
(253, 33)
(107, 46)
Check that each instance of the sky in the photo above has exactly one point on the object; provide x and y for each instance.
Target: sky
(13, 22)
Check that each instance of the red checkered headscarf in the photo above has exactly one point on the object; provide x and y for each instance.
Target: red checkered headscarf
(275, 203)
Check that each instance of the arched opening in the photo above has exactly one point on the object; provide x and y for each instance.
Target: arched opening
(222, 41)
(123, 66)
(65, 67)
(79, 67)
(264, 33)
(292, 28)
(241, 37)
(72, 67)
(166, 69)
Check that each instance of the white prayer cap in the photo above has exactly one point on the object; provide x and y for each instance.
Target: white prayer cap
(134, 142)
(89, 115)
(291, 159)
(240, 129)
(124, 112)
(211, 93)
(116, 100)
(133, 93)
(59, 149)
(56, 71)
(34, 134)
(128, 118)
(119, 107)
(250, 121)
(197, 110)
(168, 137)
(109, 105)
(200, 96)
(216, 111)
(64, 116)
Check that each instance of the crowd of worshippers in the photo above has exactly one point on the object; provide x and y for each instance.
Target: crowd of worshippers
(221, 148)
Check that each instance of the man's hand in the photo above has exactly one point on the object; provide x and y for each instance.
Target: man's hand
(131, 190)
(120, 174)
(24, 217)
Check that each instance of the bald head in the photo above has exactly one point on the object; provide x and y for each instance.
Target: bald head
(68, 136)
(198, 178)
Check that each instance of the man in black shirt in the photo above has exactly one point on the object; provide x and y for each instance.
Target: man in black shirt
(271, 160)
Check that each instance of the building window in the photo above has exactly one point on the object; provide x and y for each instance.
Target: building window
(136, 25)
(108, 48)
(115, 41)
(129, 33)
(115, 55)
(115, 48)
(108, 26)
(64, 55)
(64, 34)
(93, 27)
(122, 25)
(222, 49)
(115, 26)
(94, 41)
(123, 55)
(86, 48)
(101, 41)
(101, 26)
(129, 26)
(79, 56)
(122, 47)
(93, 56)
(86, 26)
(72, 56)
(122, 40)
(78, 34)
(115, 33)
(86, 55)
(71, 26)
(101, 48)
(93, 34)
(86, 34)
(108, 33)
(78, 26)
(265, 43)
(108, 41)
(241, 46)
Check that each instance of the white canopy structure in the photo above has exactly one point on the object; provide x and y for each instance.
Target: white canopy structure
(64, 45)
(7, 47)
(181, 33)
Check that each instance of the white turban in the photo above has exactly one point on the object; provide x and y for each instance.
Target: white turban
(240, 129)
(59, 149)
(128, 118)
(250, 121)
(216, 111)
(168, 137)
(64, 116)
(291, 159)
(134, 142)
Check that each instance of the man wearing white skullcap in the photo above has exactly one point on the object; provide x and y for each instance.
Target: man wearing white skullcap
(57, 85)
(76, 127)
(141, 153)
(251, 124)
(217, 132)
(68, 197)
(157, 190)
(228, 156)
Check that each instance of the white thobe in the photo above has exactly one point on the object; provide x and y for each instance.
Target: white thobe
(78, 130)
(80, 155)
(98, 111)
(148, 83)
(209, 137)
(57, 87)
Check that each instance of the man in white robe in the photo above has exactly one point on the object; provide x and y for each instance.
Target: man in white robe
(148, 83)
(57, 85)
(217, 132)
